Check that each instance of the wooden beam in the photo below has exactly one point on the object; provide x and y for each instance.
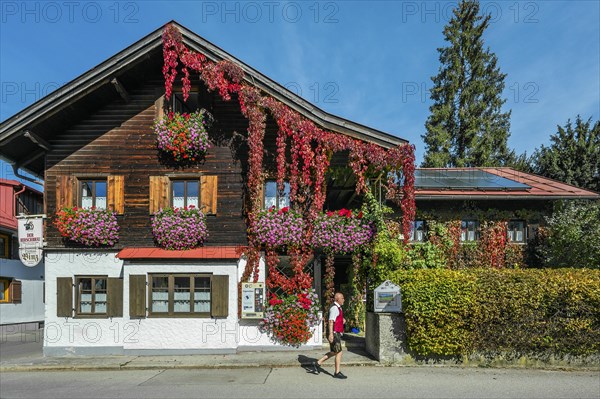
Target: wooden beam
(37, 140)
(120, 89)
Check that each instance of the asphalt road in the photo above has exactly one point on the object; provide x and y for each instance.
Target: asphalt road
(295, 382)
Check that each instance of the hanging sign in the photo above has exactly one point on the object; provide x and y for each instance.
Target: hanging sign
(31, 239)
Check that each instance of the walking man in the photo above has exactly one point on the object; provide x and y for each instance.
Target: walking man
(335, 323)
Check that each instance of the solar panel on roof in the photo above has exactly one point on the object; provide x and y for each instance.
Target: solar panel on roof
(472, 179)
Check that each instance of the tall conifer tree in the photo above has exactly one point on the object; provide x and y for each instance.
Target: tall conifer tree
(466, 126)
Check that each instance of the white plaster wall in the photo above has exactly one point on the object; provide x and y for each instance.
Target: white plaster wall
(183, 333)
(69, 332)
(31, 308)
(149, 333)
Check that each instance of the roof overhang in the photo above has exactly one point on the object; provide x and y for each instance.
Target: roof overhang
(17, 130)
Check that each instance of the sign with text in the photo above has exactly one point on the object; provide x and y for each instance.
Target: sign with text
(253, 300)
(31, 239)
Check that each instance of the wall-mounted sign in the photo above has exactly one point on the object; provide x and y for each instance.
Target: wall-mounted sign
(31, 238)
(253, 300)
(388, 298)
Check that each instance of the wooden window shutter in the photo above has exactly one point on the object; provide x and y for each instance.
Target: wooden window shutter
(116, 194)
(66, 191)
(159, 107)
(208, 194)
(15, 291)
(137, 296)
(64, 296)
(261, 195)
(219, 303)
(114, 307)
(159, 193)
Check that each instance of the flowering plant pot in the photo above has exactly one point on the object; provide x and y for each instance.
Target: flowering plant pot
(91, 227)
(183, 137)
(341, 232)
(277, 228)
(288, 319)
(179, 228)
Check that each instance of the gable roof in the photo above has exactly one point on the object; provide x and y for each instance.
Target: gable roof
(524, 185)
(19, 141)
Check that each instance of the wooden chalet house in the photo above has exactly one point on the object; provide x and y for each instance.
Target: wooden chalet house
(93, 143)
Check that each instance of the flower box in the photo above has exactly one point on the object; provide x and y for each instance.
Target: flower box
(288, 319)
(179, 228)
(183, 137)
(341, 232)
(277, 228)
(91, 227)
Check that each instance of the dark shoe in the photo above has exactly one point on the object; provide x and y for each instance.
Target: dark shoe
(314, 368)
(340, 376)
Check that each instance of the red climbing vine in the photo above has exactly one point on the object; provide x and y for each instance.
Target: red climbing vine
(309, 147)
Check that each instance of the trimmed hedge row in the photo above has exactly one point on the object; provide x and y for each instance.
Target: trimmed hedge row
(460, 312)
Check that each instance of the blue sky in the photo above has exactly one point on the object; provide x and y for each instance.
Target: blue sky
(370, 62)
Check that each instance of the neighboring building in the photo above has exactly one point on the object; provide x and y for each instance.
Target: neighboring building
(472, 194)
(21, 287)
(93, 142)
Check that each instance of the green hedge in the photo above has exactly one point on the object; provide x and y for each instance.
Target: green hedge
(460, 312)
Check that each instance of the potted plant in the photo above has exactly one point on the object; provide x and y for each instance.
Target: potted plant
(91, 227)
(183, 137)
(288, 319)
(179, 228)
(276, 228)
(341, 232)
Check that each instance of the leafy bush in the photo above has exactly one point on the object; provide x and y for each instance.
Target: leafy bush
(574, 236)
(551, 311)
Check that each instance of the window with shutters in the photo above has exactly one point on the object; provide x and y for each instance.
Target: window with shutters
(180, 295)
(275, 198)
(92, 295)
(166, 191)
(10, 290)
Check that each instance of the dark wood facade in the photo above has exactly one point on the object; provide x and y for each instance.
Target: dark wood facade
(118, 140)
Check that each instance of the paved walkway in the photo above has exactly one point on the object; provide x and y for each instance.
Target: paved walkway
(23, 352)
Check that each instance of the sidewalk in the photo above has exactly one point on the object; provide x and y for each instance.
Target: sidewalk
(23, 352)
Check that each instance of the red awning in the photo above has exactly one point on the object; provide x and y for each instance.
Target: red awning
(197, 253)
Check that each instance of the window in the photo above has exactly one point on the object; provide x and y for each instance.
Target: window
(516, 231)
(181, 106)
(91, 295)
(184, 193)
(274, 198)
(4, 294)
(4, 246)
(419, 231)
(180, 295)
(10, 290)
(92, 193)
(469, 230)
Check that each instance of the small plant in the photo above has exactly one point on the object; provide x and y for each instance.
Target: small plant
(276, 228)
(183, 137)
(288, 319)
(341, 232)
(179, 228)
(92, 227)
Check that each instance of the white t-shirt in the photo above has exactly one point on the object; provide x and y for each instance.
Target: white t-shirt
(334, 312)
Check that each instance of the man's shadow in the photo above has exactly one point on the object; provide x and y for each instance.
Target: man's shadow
(306, 363)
